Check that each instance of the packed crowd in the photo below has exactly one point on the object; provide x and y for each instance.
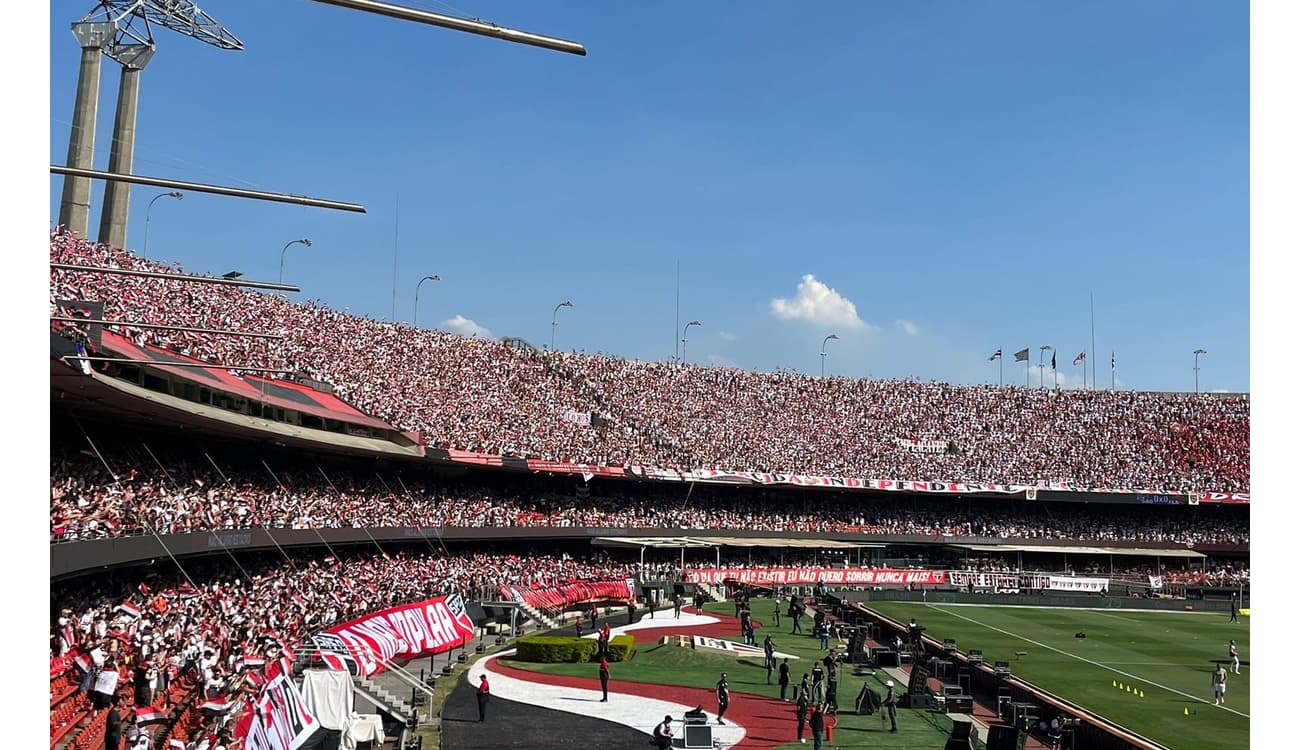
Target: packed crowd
(199, 624)
(179, 487)
(489, 397)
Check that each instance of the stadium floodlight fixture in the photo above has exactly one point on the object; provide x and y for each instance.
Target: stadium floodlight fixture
(415, 317)
(304, 241)
(203, 187)
(178, 195)
(687, 327)
(831, 337)
(467, 25)
(231, 275)
(1196, 367)
(554, 313)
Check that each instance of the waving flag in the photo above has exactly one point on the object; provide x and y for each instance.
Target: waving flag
(1023, 355)
(149, 715)
(996, 355)
(1083, 357)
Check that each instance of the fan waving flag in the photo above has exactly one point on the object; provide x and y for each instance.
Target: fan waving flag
(1023, 355)
(996, 355)
(1083, 357)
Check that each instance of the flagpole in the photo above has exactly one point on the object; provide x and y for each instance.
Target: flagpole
(1040, 368)
(1093, 355)
(1112, 371)
(999, 369)
(1026, 371)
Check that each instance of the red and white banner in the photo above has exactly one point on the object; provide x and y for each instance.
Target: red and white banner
(432, 626)
(281, 720)
(661, 474)
(876, 576)
(578, 592)
(1221, 497)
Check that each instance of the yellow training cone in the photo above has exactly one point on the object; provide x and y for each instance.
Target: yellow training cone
(1128, 689)
(1141, 694)
(1186, 712)
(1114, 684)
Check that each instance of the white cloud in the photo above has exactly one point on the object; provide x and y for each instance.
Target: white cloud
(717, 360)
(818, 303)
(907, 326)
(467, 327)
(1069, 378)
(726, 335)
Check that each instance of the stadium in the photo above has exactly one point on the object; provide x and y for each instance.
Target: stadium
(275, 524)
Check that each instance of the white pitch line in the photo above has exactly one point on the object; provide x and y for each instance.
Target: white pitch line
(1090, 661)
(1110, 610)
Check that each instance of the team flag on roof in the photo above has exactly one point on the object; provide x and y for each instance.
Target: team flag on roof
(996, 355)
(1083, 357)
(1023, 355)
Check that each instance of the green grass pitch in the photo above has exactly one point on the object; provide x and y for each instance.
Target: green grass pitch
(1167, 655)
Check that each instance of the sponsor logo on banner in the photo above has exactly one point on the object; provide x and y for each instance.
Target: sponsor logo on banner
(1158, 500)
(429, 627)
(280, 720)
(883, 576)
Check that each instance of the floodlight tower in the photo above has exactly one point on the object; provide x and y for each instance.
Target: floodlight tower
(121, 29)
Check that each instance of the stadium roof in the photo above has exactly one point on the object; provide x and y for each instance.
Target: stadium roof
(1145, 552)
(721, 541)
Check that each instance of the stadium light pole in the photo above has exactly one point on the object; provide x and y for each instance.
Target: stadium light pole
(304, 241)
(1041, 349)
(1196, 367)
(415, 317)
(178, 195)
(554, 313)
(688, 325)
(828, 338)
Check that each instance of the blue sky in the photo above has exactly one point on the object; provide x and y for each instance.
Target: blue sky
(962, 174)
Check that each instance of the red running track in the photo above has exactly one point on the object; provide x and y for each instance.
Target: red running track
(727, 626)
(768, 722)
